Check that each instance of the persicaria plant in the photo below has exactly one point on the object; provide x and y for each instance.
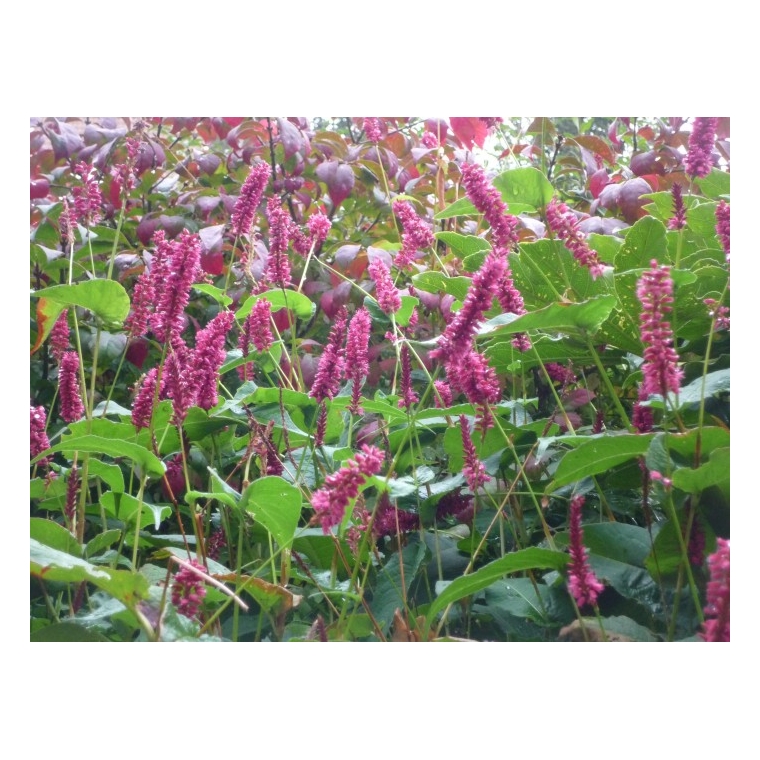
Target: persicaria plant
(380, 379)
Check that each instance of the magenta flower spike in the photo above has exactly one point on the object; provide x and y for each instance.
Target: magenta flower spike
(717, 626)
(38, 438)
(188, 590)
(181, 268)
(487, 200)
(565, 226)
(208, 357)
(581, 581)
(373, 128)
(357, 357)
(330, 501)
(332, 362)
(280, 232)
(416, 235)
(473, 470)
(248, 201)
(59, 336)
(88, 199)
(142, 408)
(723, 227)
(386, 293)
(660, 368)
(699, 160)
(408, 396)
(72, 407)
(678, 220)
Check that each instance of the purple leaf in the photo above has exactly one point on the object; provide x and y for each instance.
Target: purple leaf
(339, 179)
(291, 137)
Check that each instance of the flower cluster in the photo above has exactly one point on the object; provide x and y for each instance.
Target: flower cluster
(38, 438)
(249, 199)
(173, 274)
(582, 583)
(373, 128)
(564, 225)
(660, 368)
(341, 487)
(487, 199)
(417, 234)
(390, 520)
(88, 199)
(257, 332)
(188, 589)
(723, 227)
(59, 336)
(72, 407)
(386, 292)
(280, 232)
(142, 408)
(473, 470)
(678, 220)
(357, 357)
(701, 142)
(332, 363)
(208, 357)
(717, 626)
(408, 396)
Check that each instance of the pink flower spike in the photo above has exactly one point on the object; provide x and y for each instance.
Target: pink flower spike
(357, 357)
(386, 292)
(487, 199)
(723, 227)
(678, 220)
(38, 438)
(373, 128)
(208, 357)
(717, 626)
(249, 199)
(408, 396)
(332, 362)
(142, 408)
(330, 501)
(417, 234)
(660, 368)
(699, 160)
(581, 581)
(565, 226)
(59, 336)
(72, 407)
(188, 589)
(473, 470)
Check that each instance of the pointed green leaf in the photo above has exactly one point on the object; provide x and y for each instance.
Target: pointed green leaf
(149, 462)
(51, 564)
(525, 559)
(463, 245)
(526, 186)
(54, 535)
(715, 473)
(597, 456)
(462, 207)
(280, 299)
(276, 505)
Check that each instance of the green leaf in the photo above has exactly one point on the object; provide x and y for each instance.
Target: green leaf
(585, 317)
(149, 462)
(437, 282)
(276, 505)
(701, 219)
(54, 535)
(65, 632)
(716, 184)
(463, 245)
(110, 474)
(715, 473)
(50, 564)
(532, 558)
(102, 541)
(643, 242)
(107, 298)
(280, 299)
(715, 384)
(404, 314)
(526, 185)
(518, 597)
(393, 583)
(216, 293)
(597, 456)
(126, 508)
(462, 207)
